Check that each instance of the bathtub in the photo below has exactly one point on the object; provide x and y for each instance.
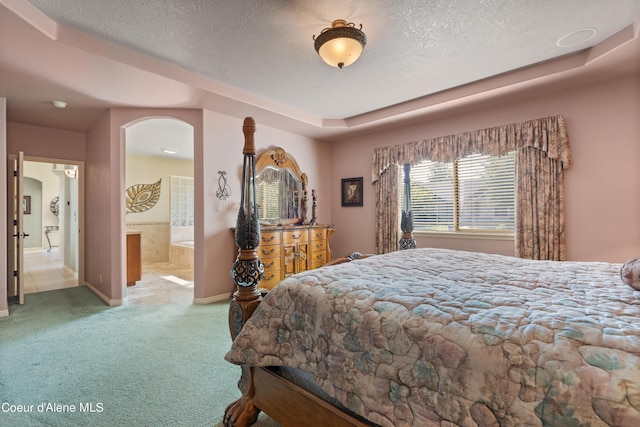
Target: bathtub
(181, 254)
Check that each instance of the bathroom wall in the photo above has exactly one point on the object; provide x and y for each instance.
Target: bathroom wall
(154, 224)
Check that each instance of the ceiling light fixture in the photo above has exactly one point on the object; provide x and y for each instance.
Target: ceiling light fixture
(59, 104)
(340, 45)
(169, 151)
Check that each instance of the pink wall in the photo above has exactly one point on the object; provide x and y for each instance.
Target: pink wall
(99, 257)
(50, 143)
(602, 206)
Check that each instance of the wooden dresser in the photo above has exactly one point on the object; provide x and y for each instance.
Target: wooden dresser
(286, 250)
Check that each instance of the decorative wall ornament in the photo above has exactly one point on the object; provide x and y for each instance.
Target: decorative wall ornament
(142, 197)
(54, 205)
(224, 190)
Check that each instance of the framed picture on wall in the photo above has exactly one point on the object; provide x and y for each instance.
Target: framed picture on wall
(26, 205)
(352, 191)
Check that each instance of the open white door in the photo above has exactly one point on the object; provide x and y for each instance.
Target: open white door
(15, 259)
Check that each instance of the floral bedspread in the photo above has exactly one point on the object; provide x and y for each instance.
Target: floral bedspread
(438, 337)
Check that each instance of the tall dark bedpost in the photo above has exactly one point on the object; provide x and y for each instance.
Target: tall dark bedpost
(246, 273)
(406, 224)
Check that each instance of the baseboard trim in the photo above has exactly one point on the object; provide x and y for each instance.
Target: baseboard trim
(4, 313)
(210, 300)
(103, 297)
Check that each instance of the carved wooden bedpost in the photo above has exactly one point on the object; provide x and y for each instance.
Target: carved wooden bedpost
(246, 273)
(406, 224)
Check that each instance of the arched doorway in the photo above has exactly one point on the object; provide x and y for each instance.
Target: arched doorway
(159, 215)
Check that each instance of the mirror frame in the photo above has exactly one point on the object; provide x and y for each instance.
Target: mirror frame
(277, 158)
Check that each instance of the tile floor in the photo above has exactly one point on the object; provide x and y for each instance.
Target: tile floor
(45, 271)
(162, 283)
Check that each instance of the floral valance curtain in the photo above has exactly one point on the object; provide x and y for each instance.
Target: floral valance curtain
(547, 137)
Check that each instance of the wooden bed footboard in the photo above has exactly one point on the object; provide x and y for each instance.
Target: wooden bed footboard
(266, 391)
(286, 403)
(262, 389)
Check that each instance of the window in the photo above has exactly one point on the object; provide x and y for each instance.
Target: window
(181, 201)
(473, 194)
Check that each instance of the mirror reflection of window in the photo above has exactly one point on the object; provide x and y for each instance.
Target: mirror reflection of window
(277, 194)
(289, 189)
(267, 195)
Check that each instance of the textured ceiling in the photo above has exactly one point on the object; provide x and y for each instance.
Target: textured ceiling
(248, 57)
(266, 47)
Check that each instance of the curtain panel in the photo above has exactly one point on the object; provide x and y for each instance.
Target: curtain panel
(387, 208)
(540, 198)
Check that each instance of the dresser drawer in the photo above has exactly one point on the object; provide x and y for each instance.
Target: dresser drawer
(270, 238)
(318, 245)
(270, 279)
(290, 237)
(271, 264)
(318, 259)
(318, 234)
(268, 251)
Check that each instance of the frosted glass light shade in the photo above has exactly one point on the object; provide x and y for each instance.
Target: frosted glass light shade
(340, 52)
(340, 45)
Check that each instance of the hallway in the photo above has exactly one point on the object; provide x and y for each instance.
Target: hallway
(162, 283)
(44, 271)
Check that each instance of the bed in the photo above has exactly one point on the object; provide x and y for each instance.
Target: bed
(425, 337)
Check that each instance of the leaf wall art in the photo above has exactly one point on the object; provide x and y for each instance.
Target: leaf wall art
(142, 197)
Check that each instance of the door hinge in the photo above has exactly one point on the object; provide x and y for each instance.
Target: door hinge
(15, 273)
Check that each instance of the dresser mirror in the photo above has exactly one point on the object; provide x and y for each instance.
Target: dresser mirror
(280, 189)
